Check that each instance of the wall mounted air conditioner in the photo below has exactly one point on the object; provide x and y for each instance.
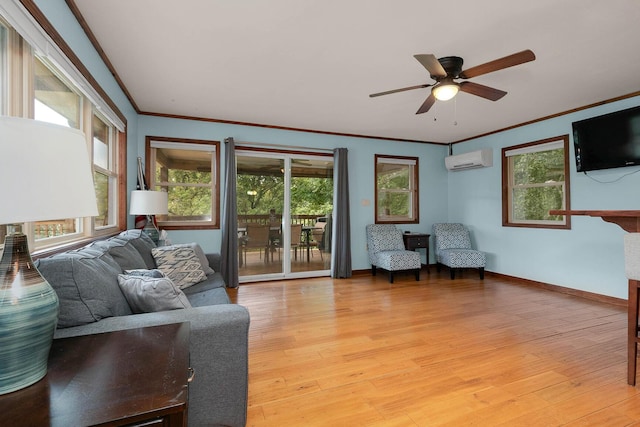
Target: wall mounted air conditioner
(474, 159)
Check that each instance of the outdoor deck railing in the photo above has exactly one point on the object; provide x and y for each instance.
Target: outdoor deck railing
(305, 220)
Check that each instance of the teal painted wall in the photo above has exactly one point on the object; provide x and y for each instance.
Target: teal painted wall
(433, 175)
(588, 257)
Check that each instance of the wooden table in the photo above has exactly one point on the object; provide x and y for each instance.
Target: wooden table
(628, 221)
(414, 241)
(133, 377)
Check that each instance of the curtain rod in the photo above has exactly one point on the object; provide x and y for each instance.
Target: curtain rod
(239, 145)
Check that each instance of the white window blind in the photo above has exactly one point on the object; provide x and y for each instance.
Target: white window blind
(183, 146)
(395, 161)
(547, 146)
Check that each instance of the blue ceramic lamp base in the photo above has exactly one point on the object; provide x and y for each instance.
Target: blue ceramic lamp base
(151, 230)
(28, 317)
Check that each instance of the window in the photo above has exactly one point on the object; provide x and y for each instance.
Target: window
(4, 79)
(189, 171)
(396, 192)
(44, 87)
(54, 101)
(535, 180)
(104, 171)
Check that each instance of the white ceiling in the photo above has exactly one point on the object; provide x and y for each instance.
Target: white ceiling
(311, 64)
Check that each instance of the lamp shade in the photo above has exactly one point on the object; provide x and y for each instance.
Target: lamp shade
(45, 172)
(146, 202)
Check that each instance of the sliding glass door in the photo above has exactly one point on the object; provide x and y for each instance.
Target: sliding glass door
(285, 202)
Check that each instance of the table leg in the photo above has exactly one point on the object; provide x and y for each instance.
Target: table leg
(427, 260)
(632, 331)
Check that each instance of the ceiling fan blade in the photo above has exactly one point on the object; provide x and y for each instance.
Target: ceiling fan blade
(499, 64)
(483, 91)
(373, 95)
(431, 63)
(427, 104)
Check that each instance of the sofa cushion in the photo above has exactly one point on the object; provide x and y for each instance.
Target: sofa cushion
(210, 297)
(211, 282)
(180, 264)
(142, 243)
(122, 251)
(86, 282)
(453, 240)
(149, 294)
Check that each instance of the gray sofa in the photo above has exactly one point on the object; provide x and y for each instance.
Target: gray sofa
(91, 301)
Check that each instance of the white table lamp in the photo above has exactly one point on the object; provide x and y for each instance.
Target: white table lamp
(149, 203)
(46, 174)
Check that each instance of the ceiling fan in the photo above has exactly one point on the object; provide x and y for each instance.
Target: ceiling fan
(445, 70)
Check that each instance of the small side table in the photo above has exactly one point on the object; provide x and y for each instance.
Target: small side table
(414, 241)
(125, 378)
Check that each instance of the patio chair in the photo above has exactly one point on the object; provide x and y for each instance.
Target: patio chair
(453, 249)
(256, 237)
(296, 239)
(317, 237)
(387, 251)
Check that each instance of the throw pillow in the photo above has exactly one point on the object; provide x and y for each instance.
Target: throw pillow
(149, 294)
(155, 273)
(180, 264)
(204, 262)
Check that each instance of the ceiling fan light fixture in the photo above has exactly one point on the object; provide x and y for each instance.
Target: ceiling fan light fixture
(445, 91)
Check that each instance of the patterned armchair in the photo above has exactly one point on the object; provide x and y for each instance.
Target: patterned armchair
(453, 248)
(387, 251)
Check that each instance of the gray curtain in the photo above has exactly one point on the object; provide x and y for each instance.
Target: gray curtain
(341, 221)
(229, 223)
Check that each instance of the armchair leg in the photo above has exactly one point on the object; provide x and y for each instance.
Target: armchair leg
(417, 274)
(452, 272)
(481, 273)
(391, 277)
(373, 270)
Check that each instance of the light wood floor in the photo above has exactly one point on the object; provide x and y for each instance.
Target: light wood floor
(362, 352)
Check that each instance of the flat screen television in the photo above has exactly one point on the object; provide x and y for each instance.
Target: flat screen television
(609, 141)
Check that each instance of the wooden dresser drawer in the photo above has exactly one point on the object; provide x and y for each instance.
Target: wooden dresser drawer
(419, 241)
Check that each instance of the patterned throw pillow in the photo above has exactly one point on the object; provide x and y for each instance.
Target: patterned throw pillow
(200, 254)
(180, 264)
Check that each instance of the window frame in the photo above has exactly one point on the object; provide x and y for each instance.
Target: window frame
(111, 171)
(5, 34)
(508, 182)
(18, 99)
(59, 77)
(413, 190)
(214, 222)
